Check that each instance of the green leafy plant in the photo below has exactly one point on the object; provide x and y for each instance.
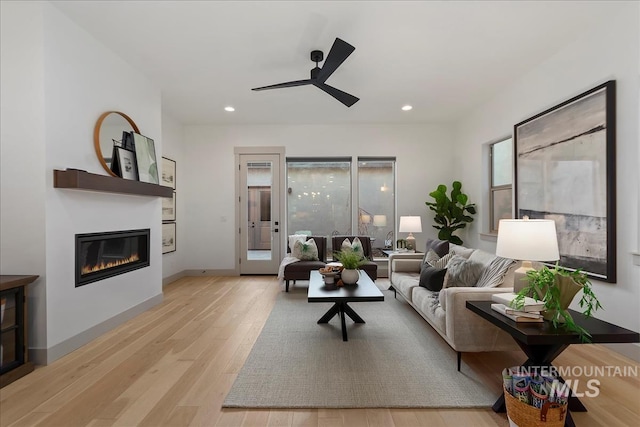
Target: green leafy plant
(451, 213)
(349, 259)
(543, 284)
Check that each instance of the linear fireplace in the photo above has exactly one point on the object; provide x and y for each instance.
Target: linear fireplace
(102, 255)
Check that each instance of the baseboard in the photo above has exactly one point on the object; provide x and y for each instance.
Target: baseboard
(173, 278)
(630, 350)
(206, 272)
(45, 356)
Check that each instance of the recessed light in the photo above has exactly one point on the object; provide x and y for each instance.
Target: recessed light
(229, 109)
(407, 108)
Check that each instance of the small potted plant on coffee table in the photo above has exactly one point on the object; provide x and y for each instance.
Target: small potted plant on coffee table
(351, 261)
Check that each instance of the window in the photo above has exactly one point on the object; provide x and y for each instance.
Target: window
(500, 193)
(319, 196)
(376, 201)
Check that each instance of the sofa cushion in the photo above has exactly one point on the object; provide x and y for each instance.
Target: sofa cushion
(482, 257)
(462, 272)
(427, 302)
(494, 273)
(405, 282)
(432, 278)
(305, 251)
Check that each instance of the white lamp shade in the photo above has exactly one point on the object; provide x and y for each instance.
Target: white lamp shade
(380, 220)
(365, 219)
(410, 224)
(528, 240)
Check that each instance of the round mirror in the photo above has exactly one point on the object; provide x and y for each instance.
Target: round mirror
(109, 128)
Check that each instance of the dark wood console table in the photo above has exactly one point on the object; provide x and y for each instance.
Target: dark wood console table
(542, 343)
(13, 328)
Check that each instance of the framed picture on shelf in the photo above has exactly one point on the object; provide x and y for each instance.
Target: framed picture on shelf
(146, 159)
(565, 171)
(169, 208)
(124, 163)
(168, 173)
(168, 237)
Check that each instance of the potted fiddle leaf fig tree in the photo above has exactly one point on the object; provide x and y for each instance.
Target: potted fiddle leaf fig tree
(556, 288)
(451, 213)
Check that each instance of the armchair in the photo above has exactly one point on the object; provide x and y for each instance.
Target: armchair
(301, 270)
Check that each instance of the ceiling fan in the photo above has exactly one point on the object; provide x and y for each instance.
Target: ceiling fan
(337, 55)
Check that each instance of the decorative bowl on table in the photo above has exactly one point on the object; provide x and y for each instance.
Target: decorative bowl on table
(329, 273)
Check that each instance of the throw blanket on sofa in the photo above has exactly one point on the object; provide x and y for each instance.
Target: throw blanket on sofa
(285, 261)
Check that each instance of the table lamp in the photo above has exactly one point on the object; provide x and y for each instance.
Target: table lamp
(379, 220)
(410, 224)
(527, 240)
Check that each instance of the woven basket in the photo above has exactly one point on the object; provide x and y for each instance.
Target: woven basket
(525, 415)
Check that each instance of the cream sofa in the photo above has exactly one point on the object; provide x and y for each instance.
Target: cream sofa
(446, 311)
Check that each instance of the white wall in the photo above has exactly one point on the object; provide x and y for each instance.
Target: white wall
(22, 154)
(424, 160)
(69, 80)
(610, 51)
(173, 148)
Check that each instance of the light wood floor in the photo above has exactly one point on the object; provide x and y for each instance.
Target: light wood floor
(173, 365)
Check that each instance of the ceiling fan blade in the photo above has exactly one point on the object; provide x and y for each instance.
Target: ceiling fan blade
(341, 96)
(287, 84)
(337, 55)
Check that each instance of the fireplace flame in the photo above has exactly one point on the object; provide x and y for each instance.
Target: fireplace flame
(103, 266)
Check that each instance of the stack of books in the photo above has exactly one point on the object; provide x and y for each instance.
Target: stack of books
(530, 312)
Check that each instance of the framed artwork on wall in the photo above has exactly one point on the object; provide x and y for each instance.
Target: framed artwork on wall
(168, 237)
(565, 171)
(146, 159)
(168, 173)
(169, 208)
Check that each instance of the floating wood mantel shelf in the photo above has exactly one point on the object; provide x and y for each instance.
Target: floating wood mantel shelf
(82, 180)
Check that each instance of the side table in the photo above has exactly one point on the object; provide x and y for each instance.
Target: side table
(542, 343)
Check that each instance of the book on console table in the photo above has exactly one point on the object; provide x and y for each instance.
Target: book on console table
(530, 304)
(520, 316)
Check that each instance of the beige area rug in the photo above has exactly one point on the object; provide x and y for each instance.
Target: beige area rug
(395, 360)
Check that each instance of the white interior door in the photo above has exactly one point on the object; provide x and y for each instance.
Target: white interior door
(259, 208)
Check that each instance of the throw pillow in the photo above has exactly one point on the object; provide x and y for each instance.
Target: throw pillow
(440, 247)
(460, 250)
(305, 251)
(442, 262)
(430, 257)
(462, 273)
(432, 278)
(355, 246)
(293, 238)
(494, 273)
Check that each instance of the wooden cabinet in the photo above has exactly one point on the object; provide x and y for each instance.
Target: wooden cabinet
(14, 359)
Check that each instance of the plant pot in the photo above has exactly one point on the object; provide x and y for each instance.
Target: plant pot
(350, 277)
(568, 290)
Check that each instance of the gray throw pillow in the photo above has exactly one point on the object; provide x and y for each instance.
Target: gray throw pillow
(462, 272)
(441, 247)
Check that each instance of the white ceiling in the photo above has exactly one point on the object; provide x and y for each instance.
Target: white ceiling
(443, 58)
